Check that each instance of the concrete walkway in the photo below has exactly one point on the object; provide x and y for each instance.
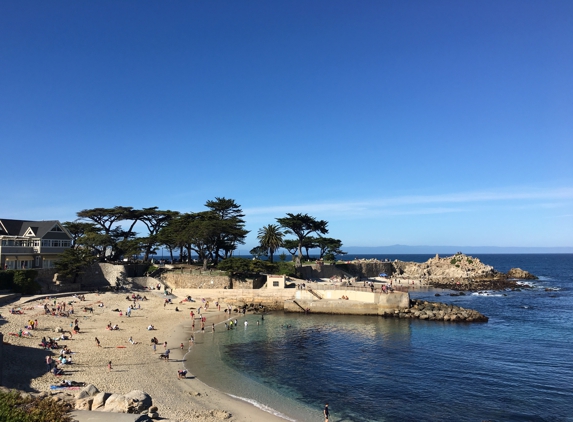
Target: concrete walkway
(88, 416)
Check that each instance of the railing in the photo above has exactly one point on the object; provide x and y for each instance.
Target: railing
(298, 304)
(356, 288)
(313, 293)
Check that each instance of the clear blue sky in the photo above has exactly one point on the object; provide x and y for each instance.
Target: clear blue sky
(411, 122)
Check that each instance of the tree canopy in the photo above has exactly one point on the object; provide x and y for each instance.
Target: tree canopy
(301, 226)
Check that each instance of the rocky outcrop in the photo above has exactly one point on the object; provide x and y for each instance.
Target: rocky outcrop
(435, 311)
(520, 274)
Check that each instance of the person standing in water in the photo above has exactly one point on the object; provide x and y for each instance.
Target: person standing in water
(326, 413)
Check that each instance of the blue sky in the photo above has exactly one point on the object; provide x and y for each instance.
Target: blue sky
(411, 122)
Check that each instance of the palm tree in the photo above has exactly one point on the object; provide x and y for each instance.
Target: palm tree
(271, 238)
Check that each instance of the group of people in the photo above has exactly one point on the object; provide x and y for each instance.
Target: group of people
(112, 327)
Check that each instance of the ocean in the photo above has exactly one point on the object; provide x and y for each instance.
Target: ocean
(516, 367)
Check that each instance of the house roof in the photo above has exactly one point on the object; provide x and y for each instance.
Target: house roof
(19, 227)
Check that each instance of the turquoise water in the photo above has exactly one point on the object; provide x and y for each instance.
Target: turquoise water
(516, 367)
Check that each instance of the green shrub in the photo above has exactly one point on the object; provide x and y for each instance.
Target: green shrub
(6, 280)
(19, 281)
(15, 408)
(470, 261)
(454, 261)
(458, 265)
(24, 282)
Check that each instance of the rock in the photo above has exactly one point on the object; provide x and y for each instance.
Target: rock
(520, 274)
(153, 415)
(99, 401)
(88, 391)
(116, 403)
(138, 401)
(153, 409)
(84, 404)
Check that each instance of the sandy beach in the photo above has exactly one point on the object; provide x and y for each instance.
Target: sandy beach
(134, 366)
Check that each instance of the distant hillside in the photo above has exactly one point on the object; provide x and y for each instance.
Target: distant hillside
(405, 249)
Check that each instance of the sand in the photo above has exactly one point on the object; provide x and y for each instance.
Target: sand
(134, 366)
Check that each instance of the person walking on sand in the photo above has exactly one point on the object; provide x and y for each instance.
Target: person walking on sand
(164, 345)
(326, 413)
(97, 342)
(154, 346)
(109, 366)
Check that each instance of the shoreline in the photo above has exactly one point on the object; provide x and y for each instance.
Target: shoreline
(135, 367)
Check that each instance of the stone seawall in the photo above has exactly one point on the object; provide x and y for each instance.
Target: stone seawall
(175, 280)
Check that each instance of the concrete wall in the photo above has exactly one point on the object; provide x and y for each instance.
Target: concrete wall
(176, 280)
(191, 281)
(106, 274)
(380, 300)
(367, 269)
(377, 305)
(320, 271)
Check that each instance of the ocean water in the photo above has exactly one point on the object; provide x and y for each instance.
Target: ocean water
(516, 367)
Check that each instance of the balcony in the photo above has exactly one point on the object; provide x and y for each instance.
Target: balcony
(19, 250)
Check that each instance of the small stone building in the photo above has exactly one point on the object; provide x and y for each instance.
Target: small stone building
(276, 281)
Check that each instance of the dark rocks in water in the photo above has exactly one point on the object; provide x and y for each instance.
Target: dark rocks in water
(436, 311)
(462, 294)
(437, 294)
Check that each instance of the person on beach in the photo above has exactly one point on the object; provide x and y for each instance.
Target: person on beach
(49, 362)
(97, 342)
(109, 368)
(154, 346)
(326, 413)
(164, 345)
(213, 328)
(181, 346)
(182, 373)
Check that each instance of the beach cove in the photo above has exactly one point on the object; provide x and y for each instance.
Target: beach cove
(134, 366)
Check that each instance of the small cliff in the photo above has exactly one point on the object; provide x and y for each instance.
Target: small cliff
(459, 271)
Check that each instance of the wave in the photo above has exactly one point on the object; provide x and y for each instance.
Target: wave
(487, 293)
(263, 407)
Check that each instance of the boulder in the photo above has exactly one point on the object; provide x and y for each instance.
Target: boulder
(138, 401)
(116, 403)
(84, 404)
(88, 391)
(520, 274)
(99, 400)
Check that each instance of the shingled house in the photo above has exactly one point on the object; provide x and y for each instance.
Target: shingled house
(31, 244)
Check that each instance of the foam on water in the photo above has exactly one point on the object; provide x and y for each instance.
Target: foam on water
(263, 407)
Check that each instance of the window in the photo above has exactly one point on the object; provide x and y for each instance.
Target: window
(66, 243)
(275, 284)
(46, 243)
(56, 243)
(56, 229)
